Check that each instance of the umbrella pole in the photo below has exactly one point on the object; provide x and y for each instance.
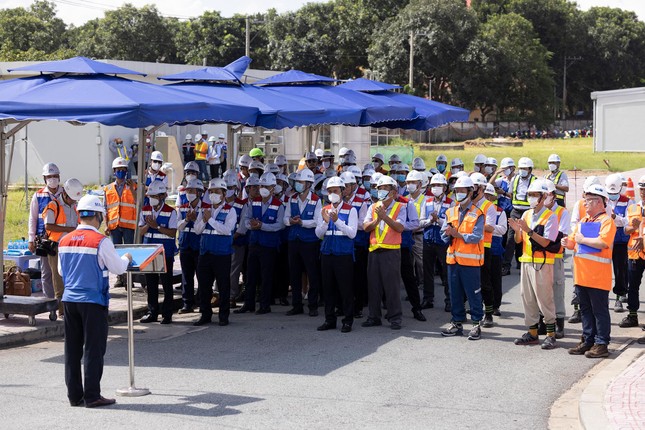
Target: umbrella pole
(2, 200)
(141, 181)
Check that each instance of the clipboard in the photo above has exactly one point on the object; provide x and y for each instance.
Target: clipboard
(589, 229)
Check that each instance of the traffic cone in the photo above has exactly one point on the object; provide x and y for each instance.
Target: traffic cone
(630, 188)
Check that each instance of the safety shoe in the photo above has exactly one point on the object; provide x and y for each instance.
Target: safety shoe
(618, 306)
(496, 312)
(186, 310)
(488, 320)
(623, 298)
(506, 270)
(527, 339)
(575, 318)
(629, 321)
(475, 333)
(580, 349)
(597, 351)
(548, 343)
(454, 329)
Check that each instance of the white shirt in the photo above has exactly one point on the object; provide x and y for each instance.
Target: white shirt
(34, 213)
(348, 229)
(400, 218)
(621, 221)
(502, 225)
(107, 256)
(362, 211)
(491, 213)
(565, 219)
(225, 229)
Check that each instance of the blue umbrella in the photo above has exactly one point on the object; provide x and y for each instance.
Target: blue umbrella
(295, 77)
(367, 85)
(82, 65)
(231, 73)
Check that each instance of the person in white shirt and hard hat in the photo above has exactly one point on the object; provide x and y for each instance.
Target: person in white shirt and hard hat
(496, 249)
(412, 237)
(240, 241)
(559, 178)
(479, 163)
(154, 172)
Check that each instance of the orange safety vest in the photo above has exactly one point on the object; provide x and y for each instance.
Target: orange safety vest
(527, 249)
(594, 270)
(388, 238)
(582, 212)
(60, 220)
(488, 235)
(460, 252)
(121, 210)
(634, 211)
(201, 150)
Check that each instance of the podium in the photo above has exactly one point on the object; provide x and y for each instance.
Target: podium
(146, 258)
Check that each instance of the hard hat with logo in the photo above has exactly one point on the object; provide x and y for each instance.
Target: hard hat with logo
(88, 205)
(50, 169)
(256, 152)
(252, 181)
(349, 159)
(379, 156)
(438, 179)
(244, 160)
(597, 190)
(335, 181)
(589, 181)
(272, 167)
(553, 158)
(73, 188)
(387, 180)
(441, 159)
(217, 183)
(280, 160)
(478, 179)
(613, 183)
(404, 168)
(281, 177)
(342, 151)
(119, 162)
(319, 152)
(212, 139)
(155, 188)
(368, 172)
(464, 182)
(195, 184)
(156, 156)
(348, 177)
(356, 171)
(456, 162)
(490, 190)
(507, 162)
(414, 175)
(255, 164)
(538, 186)
(480, 159)
(394, 158)
(305, 175)
(375, 178)
(192, 166)
(549, 185)
(491, 161)
(230, 177)
(418, 164)
(268, 179)
(311, 156)
(525, 162)
(189, 137)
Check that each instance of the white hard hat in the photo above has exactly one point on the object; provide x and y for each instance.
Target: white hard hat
(281, 177)
(156, 156)
(589, 181)
(623, 178)
(404, 168)
(414, 175)
(50, 169)
(441, 158)
(641, 182)
(155, 188)
(244, 160)
(212, 139)
(329, 173)
(356, 171)
(135, 139)
(490, 190)
(459, 175)
(438, 179)
(349, 159)
(319, 152)
(305, 175)
(491, 161)
(456, 162)
(222, 136)
(426, 179)
(255, 164)
(268, 179)
(507, 162)
(598, 190)
(464, 182)
(327, 154)
(189, 136)
(395, 158)
(119, 162)
(90, 203)
(386, 180)
(272, 167)
(217, 183)
(418, 164)
(478, 179)
(348, 177)
(334, 181)
(198, 136)
(379, 156)
(230, 177)
(553, 158)
(73, 188)
(375, 178)
(280, 160)
(368, 172)
(311, 156)
(538, 186)
(395, 167)
(342, 151)
(525, 162)
(480, 159)
(549, 185)
(196, 184)
(252, 181)
(613, 183)
(192, 165)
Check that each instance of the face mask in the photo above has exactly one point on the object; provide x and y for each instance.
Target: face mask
(52, 182)
(277, 189)
(120, 174)
(437, 191)
(614, 197)
(400, 178)
(533, 201)
(191, 177)
(488, 170)
(412, 188)
(455, 170)
(524, 173)
(507, 172)
(230, 193)
(215, 198)
(376, 164)
(367, 185)
(191, 197)
(476, 168)
(154, 201)
(382, 194)
(553, 167)
(441, 168)
(254, 175)
(326, 164)
(264, 193)
(460, 197)
(299, 187)
(155, 165)
(334, 198)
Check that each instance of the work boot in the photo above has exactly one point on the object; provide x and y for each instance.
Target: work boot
(629, 321)
(559, 328)
(597, 351)
(541, 326)
(488, 321)
(506, 270)
(581, 348)
(575, 318)
(120, 282)
(618, 306)
(548, 343)
(527, 339)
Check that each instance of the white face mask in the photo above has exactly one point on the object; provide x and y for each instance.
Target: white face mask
(154, 201)
(455, 170)
(437, 191)
(507, 172)
(476, 168)
(264, 193)
(334, 198)
(155, 165)
(524, 173)
(553, 167)
(230, 193)
(191, 197)
(52, 182)
(533, 201)
(277, 189)
(488, 170)
(191, 177)
(326, 164)
(215, 198)
(461, 197)
(412, 188)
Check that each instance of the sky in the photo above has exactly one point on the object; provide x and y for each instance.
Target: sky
(78, 12)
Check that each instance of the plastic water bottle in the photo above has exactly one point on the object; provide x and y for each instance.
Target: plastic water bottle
(11, 245)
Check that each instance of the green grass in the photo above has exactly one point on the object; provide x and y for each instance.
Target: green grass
(17, 217)
(574, 153)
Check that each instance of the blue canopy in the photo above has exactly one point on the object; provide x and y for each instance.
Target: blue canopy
(367, 85)
(294, 77)
(82, 65)
(232, 73)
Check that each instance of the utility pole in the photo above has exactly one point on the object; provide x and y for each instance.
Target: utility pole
(247, 51)
(411, 75)
(564, 83)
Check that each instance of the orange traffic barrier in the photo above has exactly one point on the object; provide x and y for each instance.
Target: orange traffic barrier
(630, 188)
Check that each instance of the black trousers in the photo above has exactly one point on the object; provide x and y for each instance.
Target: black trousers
(619, 260)
(86, 331)
(636, 269)
(360, 278)
(433, 253)
(152, 285)
(214, 268)
(496, 279)
(409, 280)
(337, 278)
(304, 257)
(512, 248)
(281, 284)
(188, 259)
(486, 281)
(261, 264)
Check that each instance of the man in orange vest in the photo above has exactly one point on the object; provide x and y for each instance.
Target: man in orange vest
(463, 231)
(120, 208)
(592, 272)
(537, 229)
(385, 222)
(201, 153)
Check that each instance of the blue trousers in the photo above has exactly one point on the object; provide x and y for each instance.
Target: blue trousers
(203, 169)
(464, 283)
(122, 236)
(594, 313)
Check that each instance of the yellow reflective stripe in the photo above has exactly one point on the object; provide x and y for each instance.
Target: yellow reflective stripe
(594, 258)
(418, 206)
(383, 246)
(487, 244)
(525, 259)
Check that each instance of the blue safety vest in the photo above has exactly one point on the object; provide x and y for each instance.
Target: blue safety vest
(43, 197)
(269, 239)
(362, 239)
(621, 210)
(298, 232)
(153, 235)
(238, 205)
(214, 243)
(188, 239)
(432, 233)
(496, 244)
(335, 241)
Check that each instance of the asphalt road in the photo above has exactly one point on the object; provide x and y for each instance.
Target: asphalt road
(278, 372)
